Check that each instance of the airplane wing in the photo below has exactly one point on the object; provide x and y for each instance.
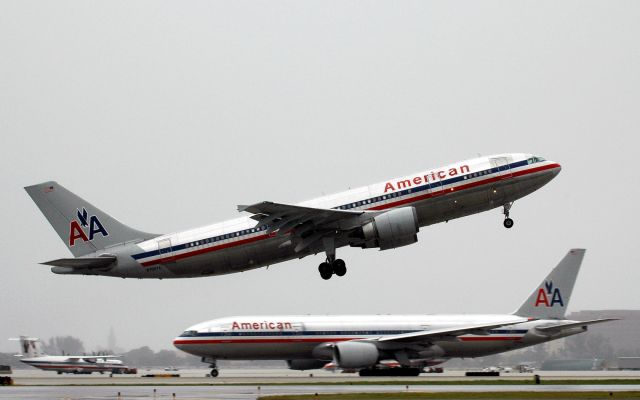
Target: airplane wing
(447, 333)
(308, 223)
(82, 263)
(560, 327)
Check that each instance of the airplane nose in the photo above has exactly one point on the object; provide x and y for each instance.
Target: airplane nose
(177, 343)
(556, 168)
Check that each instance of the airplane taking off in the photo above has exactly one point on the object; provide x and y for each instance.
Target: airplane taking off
(366, 341)
(68, 364)
(385, 215)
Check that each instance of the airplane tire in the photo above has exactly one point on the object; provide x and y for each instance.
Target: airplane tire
(325, 270)
(508, 223)
(214, 373)
(339, 267)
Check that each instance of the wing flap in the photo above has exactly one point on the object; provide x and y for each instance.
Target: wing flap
(83, 263)
(283, 218)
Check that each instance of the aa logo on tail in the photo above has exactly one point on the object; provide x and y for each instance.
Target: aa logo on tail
(549, 297)
(77, 228)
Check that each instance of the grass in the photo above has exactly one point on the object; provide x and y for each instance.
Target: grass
(462, 396)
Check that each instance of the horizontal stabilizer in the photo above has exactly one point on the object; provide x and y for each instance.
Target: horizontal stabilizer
(83, 263)
(560, 327)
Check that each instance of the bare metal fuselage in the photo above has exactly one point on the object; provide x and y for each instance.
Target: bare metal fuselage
(234, 247)
(235, 339)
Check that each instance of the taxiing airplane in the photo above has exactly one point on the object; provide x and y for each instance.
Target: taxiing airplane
(363, 341)
(68, 364)
(385, 215)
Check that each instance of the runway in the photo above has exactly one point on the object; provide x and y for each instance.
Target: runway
(252, 383)
(252, 392)
(271, 376)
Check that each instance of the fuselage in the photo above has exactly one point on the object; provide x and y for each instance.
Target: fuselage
(438, 194)
(300, 337)
(64, 364)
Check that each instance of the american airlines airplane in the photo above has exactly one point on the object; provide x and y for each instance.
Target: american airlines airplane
(365, 341)
(385, 215)
(68, 364)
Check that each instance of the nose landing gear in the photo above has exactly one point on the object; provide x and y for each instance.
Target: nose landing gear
(508, 222)
(214, 369)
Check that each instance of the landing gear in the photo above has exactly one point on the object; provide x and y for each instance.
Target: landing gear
(339, 267)
(212, 364)
(508, 222)
(328, 268)
(333, 265)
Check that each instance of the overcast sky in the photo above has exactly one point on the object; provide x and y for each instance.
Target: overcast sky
(168, 114)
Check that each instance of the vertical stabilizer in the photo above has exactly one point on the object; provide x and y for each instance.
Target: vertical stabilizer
(83, 228)
(28, 346)
(551, 298)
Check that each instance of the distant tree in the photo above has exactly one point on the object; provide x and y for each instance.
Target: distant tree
(63, 345)
(140, 357)
(166, 358)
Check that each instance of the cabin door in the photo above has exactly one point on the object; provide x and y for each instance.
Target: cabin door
(502, 165)
(166, 251)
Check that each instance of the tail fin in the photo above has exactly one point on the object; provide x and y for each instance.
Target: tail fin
(551, 298)
(82, 227)
(28, 346)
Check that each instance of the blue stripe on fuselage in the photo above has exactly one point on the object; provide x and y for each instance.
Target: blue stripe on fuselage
(351, 205)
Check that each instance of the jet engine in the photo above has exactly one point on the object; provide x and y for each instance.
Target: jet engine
(355, 354)
(394, 228)
(301, 365)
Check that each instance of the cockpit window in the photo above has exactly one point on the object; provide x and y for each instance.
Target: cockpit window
(535, 159)
(189, 333)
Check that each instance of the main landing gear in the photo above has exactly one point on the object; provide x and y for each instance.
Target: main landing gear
(328, 268)
(332, 265)
(508, 222)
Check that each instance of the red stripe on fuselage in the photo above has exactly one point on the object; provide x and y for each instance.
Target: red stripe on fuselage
(77, 366)
(279, 340)
(207, 250)
(463, 187)
(376, 208)
(323, 340)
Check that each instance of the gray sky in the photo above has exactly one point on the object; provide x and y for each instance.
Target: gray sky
(169, 114)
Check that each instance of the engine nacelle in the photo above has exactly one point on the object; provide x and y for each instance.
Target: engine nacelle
(394, 228)
(301, 365)
(355, 354)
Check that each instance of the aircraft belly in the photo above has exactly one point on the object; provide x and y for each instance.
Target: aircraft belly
(236, 259)
(452, 205)
(253, 351)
